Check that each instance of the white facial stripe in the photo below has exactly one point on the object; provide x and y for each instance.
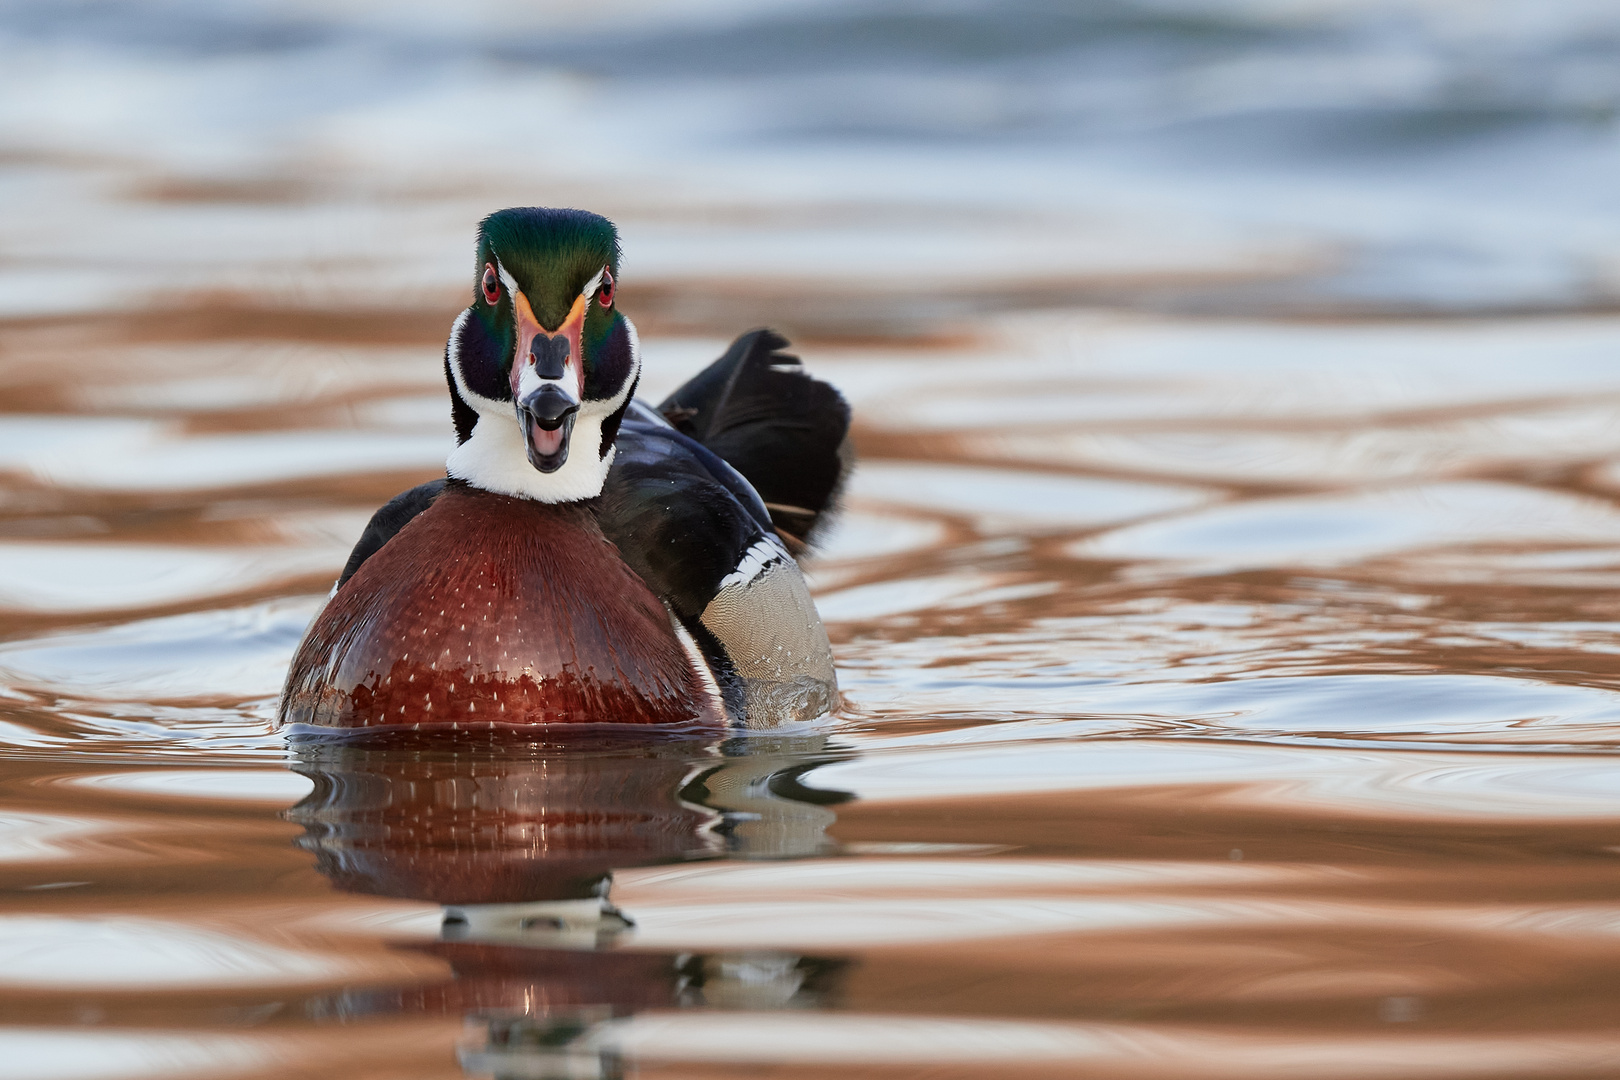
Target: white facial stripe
(631, 379)
(453, 346)
(506, 279)
(635, 348)
(596, 283)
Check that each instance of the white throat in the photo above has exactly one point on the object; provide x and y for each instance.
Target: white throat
(496, 459)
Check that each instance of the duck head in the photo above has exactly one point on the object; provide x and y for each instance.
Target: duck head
(541, 365)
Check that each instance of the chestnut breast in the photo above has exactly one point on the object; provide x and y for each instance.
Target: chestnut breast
(485, 611)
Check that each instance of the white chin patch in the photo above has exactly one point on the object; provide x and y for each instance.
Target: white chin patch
(495, 458)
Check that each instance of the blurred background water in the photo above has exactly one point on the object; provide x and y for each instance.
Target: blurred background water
(1308, 154)
(1223, 603)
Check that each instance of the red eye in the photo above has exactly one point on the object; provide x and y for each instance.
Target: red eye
(604, 292)
(492, 284)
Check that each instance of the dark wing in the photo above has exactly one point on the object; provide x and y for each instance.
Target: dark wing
(785, 431)
(682, 518)
(694, 530)
(388, 521)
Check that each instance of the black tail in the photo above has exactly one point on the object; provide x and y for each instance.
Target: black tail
(786, 432)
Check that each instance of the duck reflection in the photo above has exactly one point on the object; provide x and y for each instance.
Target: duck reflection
(519, 846)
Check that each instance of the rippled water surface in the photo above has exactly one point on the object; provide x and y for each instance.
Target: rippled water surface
(1224, 601)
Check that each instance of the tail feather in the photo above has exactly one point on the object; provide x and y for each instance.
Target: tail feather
(785, 431)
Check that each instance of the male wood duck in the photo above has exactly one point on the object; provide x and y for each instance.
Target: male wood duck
(587, 559)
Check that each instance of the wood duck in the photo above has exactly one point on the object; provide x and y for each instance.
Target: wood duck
(587, 559)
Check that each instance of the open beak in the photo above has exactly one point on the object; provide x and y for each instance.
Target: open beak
(547, 382)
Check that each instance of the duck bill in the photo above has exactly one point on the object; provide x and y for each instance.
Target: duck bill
(547, 382)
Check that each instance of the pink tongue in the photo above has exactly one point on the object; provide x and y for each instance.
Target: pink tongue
(546, 442)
